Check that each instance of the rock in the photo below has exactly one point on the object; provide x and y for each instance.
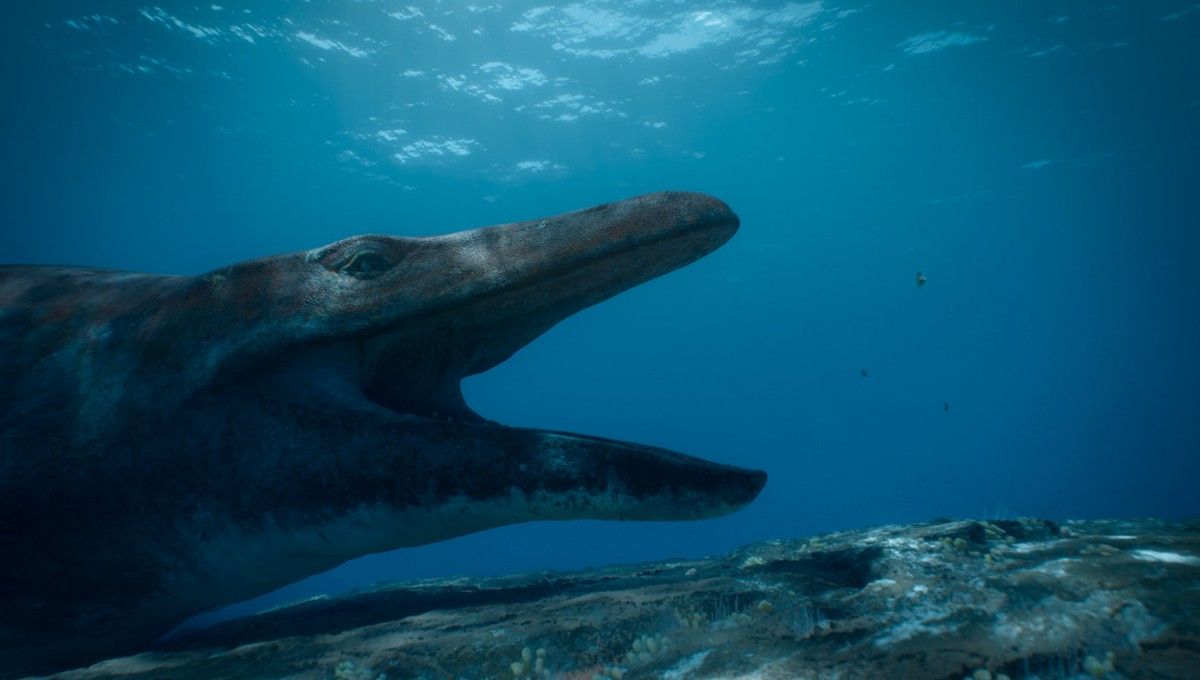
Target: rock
(947, 599)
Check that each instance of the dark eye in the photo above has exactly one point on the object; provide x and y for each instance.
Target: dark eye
(366, 265)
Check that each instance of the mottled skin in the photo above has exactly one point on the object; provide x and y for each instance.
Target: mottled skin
(170, 444)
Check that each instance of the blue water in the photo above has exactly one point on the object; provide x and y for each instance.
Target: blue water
(1039, 163)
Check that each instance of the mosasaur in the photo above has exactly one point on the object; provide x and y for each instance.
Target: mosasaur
(171, 444)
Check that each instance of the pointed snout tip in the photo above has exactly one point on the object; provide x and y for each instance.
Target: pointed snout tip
(724, 219)
(737, 487)
(751, 484)
(702, 211)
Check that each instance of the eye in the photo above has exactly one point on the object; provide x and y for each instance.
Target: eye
(366, 265)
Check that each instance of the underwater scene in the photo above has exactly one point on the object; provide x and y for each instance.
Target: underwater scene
(599, 340)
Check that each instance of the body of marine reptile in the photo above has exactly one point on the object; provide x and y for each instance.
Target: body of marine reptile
(170, 444)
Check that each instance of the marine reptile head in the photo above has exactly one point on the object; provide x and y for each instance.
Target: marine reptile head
(397, 323)
(208, 439)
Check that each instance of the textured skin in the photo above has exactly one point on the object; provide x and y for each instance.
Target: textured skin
(170, 444)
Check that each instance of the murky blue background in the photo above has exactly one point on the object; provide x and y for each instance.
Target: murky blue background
(1038, 162)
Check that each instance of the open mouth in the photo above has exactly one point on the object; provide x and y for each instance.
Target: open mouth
(417, 370)
(471, 300)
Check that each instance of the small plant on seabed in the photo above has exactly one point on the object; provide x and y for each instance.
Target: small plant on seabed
(532, 665)
(807, 620)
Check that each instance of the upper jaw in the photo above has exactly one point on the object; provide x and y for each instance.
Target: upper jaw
(542, 274)
(535, 272)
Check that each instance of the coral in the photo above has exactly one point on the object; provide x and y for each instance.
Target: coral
(691, 619)
(531, 665)
(1098, 668)
(647, 648)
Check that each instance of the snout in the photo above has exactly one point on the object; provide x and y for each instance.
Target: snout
(623, 480)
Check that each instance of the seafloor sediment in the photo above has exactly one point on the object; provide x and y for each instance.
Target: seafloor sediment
(947, 599)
